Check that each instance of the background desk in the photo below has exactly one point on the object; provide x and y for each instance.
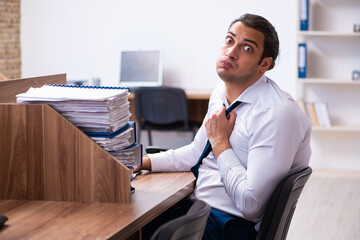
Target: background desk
(154, 193)
(197, 105)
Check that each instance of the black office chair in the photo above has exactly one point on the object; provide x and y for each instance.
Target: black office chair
(188, 227)
(164, 109)
(3, 219)
(281, 206)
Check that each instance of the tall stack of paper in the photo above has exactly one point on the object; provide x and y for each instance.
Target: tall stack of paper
(101, 112)
(90, 109)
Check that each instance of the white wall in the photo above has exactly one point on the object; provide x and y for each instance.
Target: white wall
(84, 38)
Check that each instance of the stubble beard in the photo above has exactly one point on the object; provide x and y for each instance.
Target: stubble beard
(239, 79)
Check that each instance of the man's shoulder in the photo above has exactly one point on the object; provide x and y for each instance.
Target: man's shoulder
(270, 94)
(273, 100)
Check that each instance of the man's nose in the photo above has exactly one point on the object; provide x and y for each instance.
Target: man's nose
(232, 52)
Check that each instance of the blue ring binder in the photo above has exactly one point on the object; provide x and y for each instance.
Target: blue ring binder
(96, 87)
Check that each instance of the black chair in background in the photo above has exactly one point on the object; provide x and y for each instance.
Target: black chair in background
(164, 109)
(188, 227)
(281, 206)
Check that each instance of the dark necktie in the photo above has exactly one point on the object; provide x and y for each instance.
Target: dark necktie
(208, 148)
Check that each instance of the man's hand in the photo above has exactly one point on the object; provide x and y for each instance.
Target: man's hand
(218, 130)
(146, 165)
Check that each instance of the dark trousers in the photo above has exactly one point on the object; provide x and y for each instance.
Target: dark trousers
(220, 226)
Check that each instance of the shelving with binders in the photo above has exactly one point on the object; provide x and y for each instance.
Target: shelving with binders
(329, 58)
(328, 61)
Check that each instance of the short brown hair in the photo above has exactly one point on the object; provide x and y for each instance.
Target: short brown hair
(271, 40)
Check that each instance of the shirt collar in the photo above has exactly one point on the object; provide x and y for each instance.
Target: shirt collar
(250, 94)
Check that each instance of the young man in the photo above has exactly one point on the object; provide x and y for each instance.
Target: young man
(261, 141)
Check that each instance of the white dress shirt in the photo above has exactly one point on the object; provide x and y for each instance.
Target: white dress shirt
(271, 139)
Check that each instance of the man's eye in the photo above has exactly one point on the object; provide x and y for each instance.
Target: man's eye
(228, 40)
(248, 49)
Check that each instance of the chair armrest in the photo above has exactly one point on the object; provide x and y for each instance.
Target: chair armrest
(153, 149)
(3, 219)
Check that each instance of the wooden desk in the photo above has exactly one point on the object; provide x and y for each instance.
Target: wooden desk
(154, 193)
(198, 102)
(10, 88)
(46, 164)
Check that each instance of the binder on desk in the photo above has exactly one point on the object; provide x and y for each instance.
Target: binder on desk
(304, 15)
(121, 145)
(101, 112)
(130, 156)
(118, 140)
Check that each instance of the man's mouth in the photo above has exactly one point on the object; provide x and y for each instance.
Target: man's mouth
(226, 64)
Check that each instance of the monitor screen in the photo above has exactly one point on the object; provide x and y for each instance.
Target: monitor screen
(141, 68)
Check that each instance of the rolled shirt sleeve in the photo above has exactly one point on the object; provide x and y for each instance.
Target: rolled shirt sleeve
(181, 159)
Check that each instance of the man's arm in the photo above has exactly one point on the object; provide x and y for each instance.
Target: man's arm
(181, 159)
(146, 164)
(273, 142)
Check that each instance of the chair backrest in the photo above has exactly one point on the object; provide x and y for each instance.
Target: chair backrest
(188, 227)
(281, 206)
(161, 105)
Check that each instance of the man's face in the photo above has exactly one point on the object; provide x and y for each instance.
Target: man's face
(239, 56)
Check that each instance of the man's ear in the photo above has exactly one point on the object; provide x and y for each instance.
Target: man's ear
(265, 64)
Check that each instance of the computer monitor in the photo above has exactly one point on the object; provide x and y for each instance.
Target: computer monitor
(141, 69)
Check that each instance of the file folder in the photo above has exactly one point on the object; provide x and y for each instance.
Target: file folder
(304, 15)
(118, 140)
(302, 60)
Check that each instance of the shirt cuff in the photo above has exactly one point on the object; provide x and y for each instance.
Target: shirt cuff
(159, 162)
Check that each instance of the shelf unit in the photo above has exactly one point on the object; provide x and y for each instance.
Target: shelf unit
(340, 128)
(328, 81)
(329, 34)
(333, 53)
